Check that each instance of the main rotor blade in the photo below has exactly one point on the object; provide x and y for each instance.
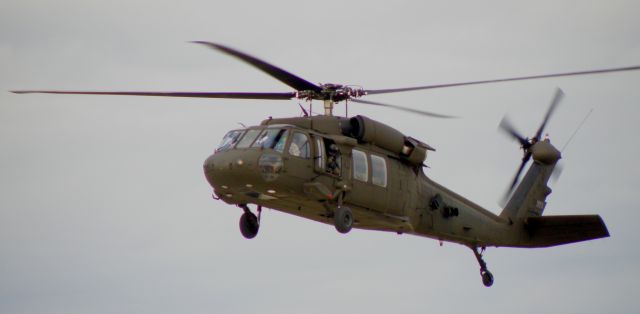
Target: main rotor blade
(554, 103)
(506, 126)
(283, 76)
(407, 89)
(172, 94)
(424, 113)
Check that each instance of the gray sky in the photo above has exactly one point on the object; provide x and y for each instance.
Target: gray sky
(104, 207)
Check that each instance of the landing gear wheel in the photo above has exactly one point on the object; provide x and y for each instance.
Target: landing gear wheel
(343, 219)
(249, 225)
(487, 278)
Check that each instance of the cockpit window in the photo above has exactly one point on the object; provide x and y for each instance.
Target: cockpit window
(229, 140)
(299, 146)
(248, 138)
(271, 138)
(280, 142)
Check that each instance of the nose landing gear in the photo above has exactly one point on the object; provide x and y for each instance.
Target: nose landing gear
(249, 222)
(487, 277)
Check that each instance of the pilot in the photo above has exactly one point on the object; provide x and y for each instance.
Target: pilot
(333, 160)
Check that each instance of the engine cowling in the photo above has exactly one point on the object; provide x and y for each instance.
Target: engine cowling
(379, 134)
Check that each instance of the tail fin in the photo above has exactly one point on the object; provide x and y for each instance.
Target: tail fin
(529, 198)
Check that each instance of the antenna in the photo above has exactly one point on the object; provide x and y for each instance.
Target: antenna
(306, 114)
(576, 131)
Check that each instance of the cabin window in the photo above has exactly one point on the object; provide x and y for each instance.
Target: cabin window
(229, 140)
(334, 159)
(378, 171)
(271, 138)
(360, 166)
(299, 146)
(248, 138)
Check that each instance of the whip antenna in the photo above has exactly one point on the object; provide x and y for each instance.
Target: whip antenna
(576, 131)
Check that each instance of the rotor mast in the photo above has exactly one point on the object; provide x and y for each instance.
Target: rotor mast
(328, 107)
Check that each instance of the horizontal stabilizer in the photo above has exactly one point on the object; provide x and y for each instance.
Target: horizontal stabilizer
(547, 231)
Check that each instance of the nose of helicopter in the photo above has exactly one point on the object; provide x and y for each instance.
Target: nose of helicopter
(224, 169)
(242, 171)
(209, 169)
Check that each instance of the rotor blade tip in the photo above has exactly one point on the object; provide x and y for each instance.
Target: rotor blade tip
(202, 42)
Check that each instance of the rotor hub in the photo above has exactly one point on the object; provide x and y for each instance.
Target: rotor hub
(333, 92)
(544, 152)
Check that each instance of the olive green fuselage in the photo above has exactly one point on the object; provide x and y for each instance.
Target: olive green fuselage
(386, 190)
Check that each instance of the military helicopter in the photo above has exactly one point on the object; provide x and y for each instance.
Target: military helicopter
(355, 172)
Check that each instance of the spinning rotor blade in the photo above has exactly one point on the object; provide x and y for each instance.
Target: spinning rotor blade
(283, 76)
(554, 103)
(424, 113)
(516, 178)
(407, 89)
(507, 127)
(173, 94)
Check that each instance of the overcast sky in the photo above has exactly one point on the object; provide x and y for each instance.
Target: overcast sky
(104, 207)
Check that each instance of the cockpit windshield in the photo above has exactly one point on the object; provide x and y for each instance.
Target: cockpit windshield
(229, 140)
(272, 138)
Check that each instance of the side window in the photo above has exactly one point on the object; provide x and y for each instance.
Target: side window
(299, 146)
(360, 167)
(378, 171)
(248, 138)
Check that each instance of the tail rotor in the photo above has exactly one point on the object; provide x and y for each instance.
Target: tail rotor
(525, 142)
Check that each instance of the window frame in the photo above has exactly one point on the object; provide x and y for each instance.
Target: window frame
(259, 131)
(374, 167)
(320, 154)
(222, 147)
(362, 177)
(272, 136)
(308, 145)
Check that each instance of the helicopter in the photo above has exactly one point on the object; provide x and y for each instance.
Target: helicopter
(356, 172)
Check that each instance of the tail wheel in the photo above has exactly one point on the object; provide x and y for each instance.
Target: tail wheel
(487, 278)
(249, 225)
(343, 219)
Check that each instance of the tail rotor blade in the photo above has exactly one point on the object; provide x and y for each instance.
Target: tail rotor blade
(516, 178)
(506, 126)
(525, 159)
(557, 172)
(554, 103)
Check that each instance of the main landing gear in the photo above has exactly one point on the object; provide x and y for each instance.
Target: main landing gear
(487, 277)
(249, 222)
(343, 219)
